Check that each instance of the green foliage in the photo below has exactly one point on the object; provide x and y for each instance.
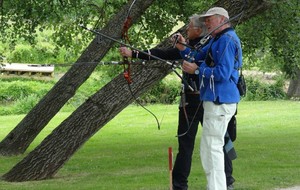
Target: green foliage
(20, 106)
(43, 52)
(19, 95)
(14, 91)
(273, 38)
(257, 90)
(94, 83)
(3, 47)
(23, 53)
(274, 34)
(111, 71)
(24, 105)
(21, 19)
(158, 21)
(164, 92)
(46, 52)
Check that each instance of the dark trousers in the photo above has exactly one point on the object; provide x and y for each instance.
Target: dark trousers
(182, 165)
(183, 161)
(228, 162)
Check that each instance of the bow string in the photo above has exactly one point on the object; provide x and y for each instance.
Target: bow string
(127, 61)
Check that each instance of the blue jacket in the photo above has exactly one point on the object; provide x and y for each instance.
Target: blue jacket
(218, 83)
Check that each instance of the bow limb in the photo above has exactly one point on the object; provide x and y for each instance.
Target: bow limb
(127, 71)
(127, 23)
(130, 8)
(125, 37)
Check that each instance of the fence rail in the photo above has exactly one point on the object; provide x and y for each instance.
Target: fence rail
(30, 69)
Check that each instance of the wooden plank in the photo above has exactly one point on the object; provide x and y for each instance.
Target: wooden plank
(17, 67)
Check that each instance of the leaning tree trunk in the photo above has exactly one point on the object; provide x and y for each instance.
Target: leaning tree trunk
(18, 140)
(47, 158)
(294, 87)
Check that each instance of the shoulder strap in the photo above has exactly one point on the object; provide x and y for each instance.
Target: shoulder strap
(209, 58)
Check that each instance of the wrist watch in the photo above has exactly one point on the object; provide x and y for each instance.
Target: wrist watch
(197, 71)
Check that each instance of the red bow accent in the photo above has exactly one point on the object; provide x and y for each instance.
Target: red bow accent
(126, 61)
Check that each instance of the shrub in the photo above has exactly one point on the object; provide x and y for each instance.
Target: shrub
(164, 92)
(257, 90)
(20, 106)
(45, 52)
(18, 96)
(23, 53)
(25, 104)
(15, 90)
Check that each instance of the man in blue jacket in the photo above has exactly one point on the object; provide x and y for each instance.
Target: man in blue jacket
(218, 76)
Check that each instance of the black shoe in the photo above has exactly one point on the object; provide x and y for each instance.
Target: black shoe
(230, 187)
(230, 180)
(180, 188)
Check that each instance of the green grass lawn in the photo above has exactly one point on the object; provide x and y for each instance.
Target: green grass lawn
(130, 153)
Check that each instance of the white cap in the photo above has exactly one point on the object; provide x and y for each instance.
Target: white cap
(215, 11)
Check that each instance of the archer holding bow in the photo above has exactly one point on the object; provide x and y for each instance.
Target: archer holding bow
(218, 90)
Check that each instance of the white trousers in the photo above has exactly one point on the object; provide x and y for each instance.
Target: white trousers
(215, 122)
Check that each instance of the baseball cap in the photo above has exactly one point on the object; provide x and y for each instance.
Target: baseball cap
(215, 11)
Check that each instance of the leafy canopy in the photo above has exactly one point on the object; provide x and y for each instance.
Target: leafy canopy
(270, 40)
(22, 19)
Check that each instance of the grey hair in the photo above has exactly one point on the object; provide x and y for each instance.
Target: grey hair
(225, 19)
(197, 22)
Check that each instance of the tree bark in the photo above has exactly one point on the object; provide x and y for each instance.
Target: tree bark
(294, 87)
(47, 158)
(18, 140)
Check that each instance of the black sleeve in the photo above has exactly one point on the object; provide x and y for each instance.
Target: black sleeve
(168, 54)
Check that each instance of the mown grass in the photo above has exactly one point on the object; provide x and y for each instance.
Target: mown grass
(130, 153)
